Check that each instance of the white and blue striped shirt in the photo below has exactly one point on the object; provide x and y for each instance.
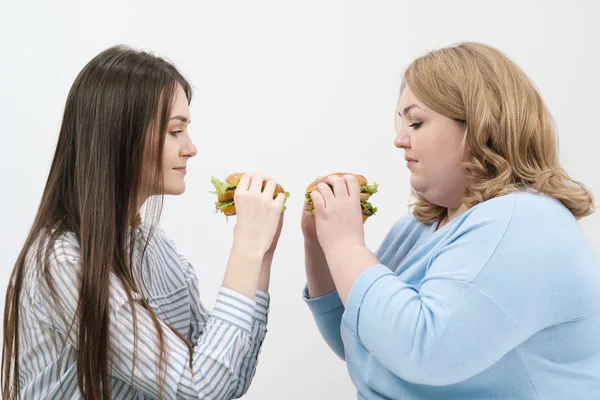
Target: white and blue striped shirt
(226, 343)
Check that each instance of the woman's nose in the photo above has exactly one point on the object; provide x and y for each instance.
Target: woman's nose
(189, 150)
(402, 141)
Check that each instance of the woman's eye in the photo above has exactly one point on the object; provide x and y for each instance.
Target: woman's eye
(175, 133)
(416, 125)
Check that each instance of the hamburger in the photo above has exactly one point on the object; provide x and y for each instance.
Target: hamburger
(366, 191)
(226, 190)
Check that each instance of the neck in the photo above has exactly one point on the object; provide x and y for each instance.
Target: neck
(451, 213)
(455, 212)
(140, 202)
(136, 222)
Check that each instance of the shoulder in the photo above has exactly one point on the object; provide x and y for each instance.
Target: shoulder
(53, 268)
(523, 212)
(525, 226)
(62, 255)
(515, 221)
(531, 205)
(67, 248)
(518, 209)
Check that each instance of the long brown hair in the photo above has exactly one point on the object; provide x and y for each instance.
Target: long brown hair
(118, 104)
(510, 140)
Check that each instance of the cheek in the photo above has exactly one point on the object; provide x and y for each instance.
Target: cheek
(440, 155)
(169, 152)
(451, 171)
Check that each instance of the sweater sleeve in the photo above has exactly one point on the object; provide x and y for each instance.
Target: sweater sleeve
(446, 332)
(447, 329)
(327, 312)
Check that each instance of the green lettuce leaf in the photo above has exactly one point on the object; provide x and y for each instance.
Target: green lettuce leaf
(287, 195)
(309, 201)
(371, 189)
(368, 208)
(221, 205)
(221, 187)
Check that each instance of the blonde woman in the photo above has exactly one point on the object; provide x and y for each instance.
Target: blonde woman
(488, 289)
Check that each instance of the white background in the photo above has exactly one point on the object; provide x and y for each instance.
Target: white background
(294, 89)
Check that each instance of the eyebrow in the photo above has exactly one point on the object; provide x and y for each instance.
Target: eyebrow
(181, 118)
(407, 109)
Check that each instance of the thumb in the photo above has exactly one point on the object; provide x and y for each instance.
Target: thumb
(318, 201)
(279, 201)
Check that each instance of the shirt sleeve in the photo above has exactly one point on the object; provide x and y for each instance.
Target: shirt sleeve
(221, 353)
(200, 316)
(258, 333)
(327, 312)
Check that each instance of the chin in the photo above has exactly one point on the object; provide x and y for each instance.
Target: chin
(422, 189)
(175, 190)
(416, 185)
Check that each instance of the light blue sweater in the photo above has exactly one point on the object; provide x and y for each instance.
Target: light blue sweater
(501, 303)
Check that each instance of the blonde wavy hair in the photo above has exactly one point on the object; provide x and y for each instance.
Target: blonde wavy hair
(510, 141)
